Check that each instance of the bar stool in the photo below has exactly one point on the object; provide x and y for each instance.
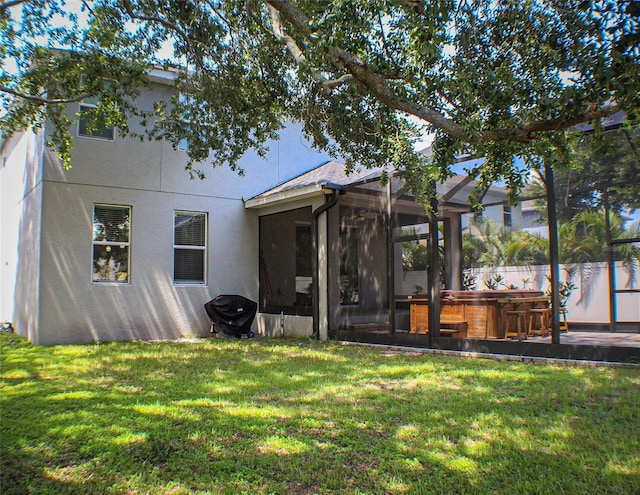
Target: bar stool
(541, 316)
(564, 324)
(517, 323)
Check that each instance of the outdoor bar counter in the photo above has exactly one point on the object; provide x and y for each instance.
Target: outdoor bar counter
(480, 314)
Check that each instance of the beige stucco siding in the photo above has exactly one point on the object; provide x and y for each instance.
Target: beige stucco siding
(150, 306)
(49, 219)
(20, 231)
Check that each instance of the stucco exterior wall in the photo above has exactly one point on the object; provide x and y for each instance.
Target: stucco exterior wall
(56, 300)
(131, 164)
(150, 306)
(495, 212)
(20, 230)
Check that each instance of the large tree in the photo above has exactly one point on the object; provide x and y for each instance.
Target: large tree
(488, 78)
(600, 171)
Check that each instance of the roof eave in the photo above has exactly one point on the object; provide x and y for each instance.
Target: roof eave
(162, 76)
(290, 195)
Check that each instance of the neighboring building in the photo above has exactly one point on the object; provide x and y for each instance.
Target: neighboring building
(125, 246)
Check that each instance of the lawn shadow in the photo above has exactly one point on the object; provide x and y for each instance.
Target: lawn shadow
(282, 417)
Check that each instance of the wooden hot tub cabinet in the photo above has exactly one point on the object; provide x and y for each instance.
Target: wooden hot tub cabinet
(470, 314)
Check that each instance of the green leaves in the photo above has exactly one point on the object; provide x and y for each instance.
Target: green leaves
(283, 416)
(489, 79)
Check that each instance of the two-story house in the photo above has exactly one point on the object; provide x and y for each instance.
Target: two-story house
(125, 245)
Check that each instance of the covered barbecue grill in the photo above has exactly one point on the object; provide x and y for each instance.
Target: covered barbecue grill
(231, 315)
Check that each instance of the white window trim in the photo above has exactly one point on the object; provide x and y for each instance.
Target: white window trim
(112, 243)
(86, 136)
(205, 274)
(507, 216)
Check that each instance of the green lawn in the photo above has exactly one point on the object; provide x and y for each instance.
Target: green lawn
(285, 417)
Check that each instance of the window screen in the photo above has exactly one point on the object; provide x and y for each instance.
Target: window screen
(190, 247)
(95, 128)
(286, 263)
(111, 232)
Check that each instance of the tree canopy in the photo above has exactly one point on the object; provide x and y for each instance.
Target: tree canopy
(611, 167)
(364, 78)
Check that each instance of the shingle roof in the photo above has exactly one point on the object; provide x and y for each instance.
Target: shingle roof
(329, 173)
(332, 175)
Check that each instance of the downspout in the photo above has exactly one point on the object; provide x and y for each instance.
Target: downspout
(337, 191)
(433, 276)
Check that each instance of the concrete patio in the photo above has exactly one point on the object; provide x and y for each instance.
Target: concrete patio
(596, 339)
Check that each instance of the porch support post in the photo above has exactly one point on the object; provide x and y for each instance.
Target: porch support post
(391, 289)
(323, 293)
(613, 309)
(319, 267)
(553, 252)
(434, 269)
(453, 252)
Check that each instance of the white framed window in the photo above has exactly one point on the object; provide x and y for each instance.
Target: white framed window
(184, 99)
(90, 127)
(507, 216)
(96, 130)
(189, 247)
(111, 244)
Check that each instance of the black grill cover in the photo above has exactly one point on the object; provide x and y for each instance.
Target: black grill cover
(232, 314)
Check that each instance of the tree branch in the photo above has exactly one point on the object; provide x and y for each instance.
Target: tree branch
(380, 88)
(334, 83)
(42, 100)
(374, 82)
(216, 10)
(11, 3)
(559, 124)
(298, 55)
(416, 5)
(378, 85)
(174, 27)
(288, 41)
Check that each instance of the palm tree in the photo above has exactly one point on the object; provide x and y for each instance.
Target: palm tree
(488, 244)
(525, 249)
(483, 244)
(584, 238)
(583, 241)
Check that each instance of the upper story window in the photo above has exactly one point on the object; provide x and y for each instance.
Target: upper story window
(507, 216)
(183, 102)
(189, 247)
(190, 120)
(111, 234)
(91, 123)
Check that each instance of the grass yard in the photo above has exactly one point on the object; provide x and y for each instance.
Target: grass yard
(287, 417)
